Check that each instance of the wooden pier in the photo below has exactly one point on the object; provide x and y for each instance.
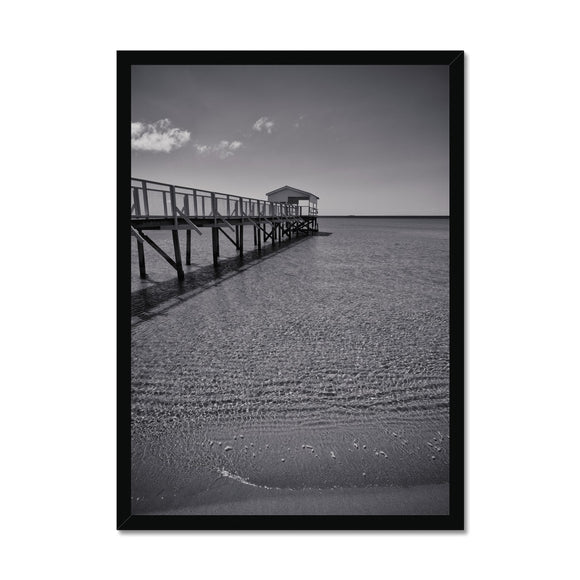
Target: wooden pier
(162, 206)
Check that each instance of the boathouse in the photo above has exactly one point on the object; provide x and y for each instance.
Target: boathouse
(306, 201)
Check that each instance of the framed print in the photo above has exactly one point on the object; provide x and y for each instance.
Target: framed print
(290, 290)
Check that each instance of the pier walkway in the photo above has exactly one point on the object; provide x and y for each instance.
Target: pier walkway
(162, 206)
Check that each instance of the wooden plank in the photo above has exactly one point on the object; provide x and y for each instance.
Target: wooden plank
(180, 227)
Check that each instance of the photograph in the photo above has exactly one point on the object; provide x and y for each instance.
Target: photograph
(310, 310)
(290, 237)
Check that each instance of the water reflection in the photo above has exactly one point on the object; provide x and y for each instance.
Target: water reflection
(145, 300)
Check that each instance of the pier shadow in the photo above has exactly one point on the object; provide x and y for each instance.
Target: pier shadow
(155, 300)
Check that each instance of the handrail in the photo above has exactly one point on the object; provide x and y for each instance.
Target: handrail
(144, 197)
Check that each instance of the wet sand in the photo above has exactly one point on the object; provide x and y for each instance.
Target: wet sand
(228, 497)
(315, 379)
(188, 465)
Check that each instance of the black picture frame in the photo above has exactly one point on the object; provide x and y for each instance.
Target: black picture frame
(455, 520)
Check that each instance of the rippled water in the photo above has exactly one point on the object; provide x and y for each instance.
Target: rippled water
(323, 364)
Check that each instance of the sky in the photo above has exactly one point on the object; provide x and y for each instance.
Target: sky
(367, 140)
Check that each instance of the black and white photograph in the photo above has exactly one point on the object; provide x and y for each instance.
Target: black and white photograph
(290, 291)
(295, 291)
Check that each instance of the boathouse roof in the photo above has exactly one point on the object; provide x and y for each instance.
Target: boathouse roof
(293, 189)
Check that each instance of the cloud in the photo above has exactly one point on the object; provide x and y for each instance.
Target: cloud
(157, 136)
(297, 123)
(136, 129)
(223, 149)
(263, 124)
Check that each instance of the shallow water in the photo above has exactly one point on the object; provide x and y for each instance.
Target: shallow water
(321, 365)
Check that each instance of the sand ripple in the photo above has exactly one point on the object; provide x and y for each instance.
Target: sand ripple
(324, 366)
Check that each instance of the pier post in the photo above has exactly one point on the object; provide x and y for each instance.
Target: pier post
(216, 245)
(136, 201)
(188, 247)
(177, 249)
(141, 251)
(173, 204)
(255, 240)
(215, 234)
(241, 235)
(145, 197)
(259, 237)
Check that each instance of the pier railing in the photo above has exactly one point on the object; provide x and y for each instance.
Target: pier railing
(153, 199)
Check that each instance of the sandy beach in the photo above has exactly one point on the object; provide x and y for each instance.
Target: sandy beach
(312, 381)
(228, 497)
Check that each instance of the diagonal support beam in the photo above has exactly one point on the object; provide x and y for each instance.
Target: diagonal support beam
(193, 226)
(219, 215)
(135, 233)
(158, 250)
(229, 238)
(264, 218)
(252, 221)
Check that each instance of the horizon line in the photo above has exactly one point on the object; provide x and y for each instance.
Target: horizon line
(384, 216)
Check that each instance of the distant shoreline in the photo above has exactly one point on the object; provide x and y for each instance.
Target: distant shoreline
(388, 216)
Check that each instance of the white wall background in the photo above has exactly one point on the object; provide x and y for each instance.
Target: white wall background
(58, 317)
